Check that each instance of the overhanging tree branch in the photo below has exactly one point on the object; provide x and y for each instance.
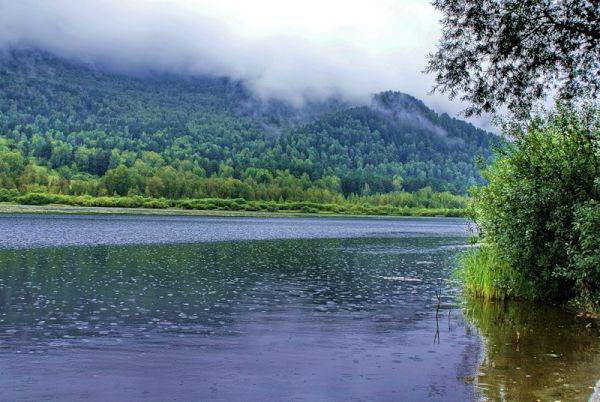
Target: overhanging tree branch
(513, 53)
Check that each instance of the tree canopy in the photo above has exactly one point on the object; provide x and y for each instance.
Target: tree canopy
(512, 53)
(71, 129)
(539, 216)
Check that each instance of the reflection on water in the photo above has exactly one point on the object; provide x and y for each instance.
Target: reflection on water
(533, 352)
(127, 291)
(256, 320)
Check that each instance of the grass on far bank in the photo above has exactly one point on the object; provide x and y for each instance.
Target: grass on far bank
(11, 208)
(215, 206)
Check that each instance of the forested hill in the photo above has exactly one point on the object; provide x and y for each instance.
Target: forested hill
(163, 135)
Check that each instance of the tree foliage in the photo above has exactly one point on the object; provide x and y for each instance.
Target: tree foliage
(71, 129)
(514, 52)
(540, 212)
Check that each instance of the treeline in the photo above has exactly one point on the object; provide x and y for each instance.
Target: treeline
(151, 177)
(149, 183)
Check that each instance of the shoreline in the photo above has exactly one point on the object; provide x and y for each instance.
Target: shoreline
(8, 208)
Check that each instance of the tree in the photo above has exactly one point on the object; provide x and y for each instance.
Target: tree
(61, 154)
(539, 215)
(397, 182)
(155, 187)
(118, 180)
(512, 53)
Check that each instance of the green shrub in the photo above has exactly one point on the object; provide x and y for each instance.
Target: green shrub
(7, 195)
(250, 207)
(309, 210)
(185, 204)
(539, 209)
(36, 199)
(584, 252)
(156, 204)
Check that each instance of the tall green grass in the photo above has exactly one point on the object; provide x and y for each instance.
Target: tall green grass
(484, 274)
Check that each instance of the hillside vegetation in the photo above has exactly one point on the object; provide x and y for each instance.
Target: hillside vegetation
(72, 129)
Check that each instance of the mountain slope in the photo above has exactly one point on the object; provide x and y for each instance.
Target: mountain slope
(82, 122)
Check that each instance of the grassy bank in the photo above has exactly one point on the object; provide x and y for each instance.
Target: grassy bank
(8, 208)
(208, 206)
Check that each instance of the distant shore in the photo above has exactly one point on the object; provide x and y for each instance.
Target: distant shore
(10, 208)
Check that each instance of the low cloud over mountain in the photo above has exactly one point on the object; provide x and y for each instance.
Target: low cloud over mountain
(278, 49)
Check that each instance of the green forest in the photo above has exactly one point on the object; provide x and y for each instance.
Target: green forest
(76, 130)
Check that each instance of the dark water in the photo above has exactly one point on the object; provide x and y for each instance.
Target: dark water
(345, 311)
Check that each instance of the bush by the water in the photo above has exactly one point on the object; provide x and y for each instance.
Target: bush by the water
(539, 214)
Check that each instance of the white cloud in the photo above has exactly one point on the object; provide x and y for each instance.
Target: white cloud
(283, 49)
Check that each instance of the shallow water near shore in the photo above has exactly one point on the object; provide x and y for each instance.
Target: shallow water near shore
(535, 352)
(170, 308)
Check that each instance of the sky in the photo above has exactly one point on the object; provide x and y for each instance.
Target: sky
(291, 50)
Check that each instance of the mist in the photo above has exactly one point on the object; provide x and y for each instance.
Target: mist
(284, 50)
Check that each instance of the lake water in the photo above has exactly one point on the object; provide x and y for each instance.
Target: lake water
(188, 308)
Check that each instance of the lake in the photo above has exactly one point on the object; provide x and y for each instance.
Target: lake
(191, 308)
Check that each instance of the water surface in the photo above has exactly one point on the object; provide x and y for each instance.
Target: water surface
(535, 352)
(52, 230)
(186, 308)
